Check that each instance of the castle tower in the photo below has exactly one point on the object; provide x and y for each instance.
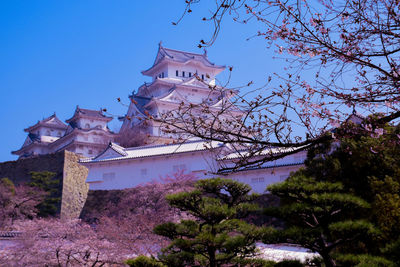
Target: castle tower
(86, 134)
(40, 135)
(178, 78)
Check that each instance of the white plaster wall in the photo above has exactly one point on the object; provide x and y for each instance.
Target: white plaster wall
(260, 179)
(172, 68)
(130, 173)
(82, 122)
(49, 132)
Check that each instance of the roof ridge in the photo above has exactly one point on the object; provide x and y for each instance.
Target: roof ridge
(184, 52)
(154, 146)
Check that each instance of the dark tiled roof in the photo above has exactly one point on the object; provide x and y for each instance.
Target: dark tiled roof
(34, 137)
(92, 113)
(52, 122)
(262, 167)
(95, 114)
(141, 101)
(181, 57)
(9, 234)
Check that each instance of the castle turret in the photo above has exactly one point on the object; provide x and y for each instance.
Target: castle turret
(40, 135)
(86, 134)
(177, 77)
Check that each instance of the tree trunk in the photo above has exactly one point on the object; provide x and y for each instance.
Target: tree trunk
(211, 254)
(329, 262)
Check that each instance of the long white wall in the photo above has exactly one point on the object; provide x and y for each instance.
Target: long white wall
(129, 173)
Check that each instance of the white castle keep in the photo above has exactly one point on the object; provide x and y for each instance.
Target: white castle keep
(86, 134)
(177, 77)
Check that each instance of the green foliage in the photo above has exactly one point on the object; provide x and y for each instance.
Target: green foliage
(347, 198)
(364, 260)
(392, 251)
(46, 182)
(319, 215)
(214, 234)
(367, 165)
(289, 263)
(253, 262)
(7, 183)
(143, 261)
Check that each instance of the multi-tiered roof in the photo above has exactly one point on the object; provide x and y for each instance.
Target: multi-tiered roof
(86, 134)
(40, 135)
(178, 78)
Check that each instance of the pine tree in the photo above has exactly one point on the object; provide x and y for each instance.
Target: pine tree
(214, 233)
(320, 215)
(47, 182)
(361, 163)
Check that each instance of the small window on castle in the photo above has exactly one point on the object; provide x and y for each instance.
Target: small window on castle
(177, 73)
(87, 125)
(48, 133)
(159, 75)
(190, 74)
(162, 75)
(202, 76)
(90, 152)
(183, 74)
(59, 134)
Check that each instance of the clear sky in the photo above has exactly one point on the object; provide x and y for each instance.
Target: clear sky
(55, 55)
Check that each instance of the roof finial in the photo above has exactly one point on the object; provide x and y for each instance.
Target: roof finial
(205, 52)
(160, 44)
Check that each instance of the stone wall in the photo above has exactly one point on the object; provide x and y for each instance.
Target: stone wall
(19, 171)
(75, 189)
(66, 167)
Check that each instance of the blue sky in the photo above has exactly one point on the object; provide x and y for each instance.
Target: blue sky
(55, 55)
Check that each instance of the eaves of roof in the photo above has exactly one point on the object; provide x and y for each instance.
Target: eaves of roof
(140, 157)
(111, 146)
(22, 149)
(147, 156)
(262, 167)
(60, 125)
(75, 131)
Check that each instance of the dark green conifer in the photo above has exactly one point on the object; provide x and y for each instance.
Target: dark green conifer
(213, 234)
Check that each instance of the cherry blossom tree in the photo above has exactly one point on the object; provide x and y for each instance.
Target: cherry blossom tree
(54, 242)
(132, 138)
(115, 230)
(18, 202)
(128, 217)
(341, 56)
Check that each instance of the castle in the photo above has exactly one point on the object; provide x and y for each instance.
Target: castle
(178, 78)
(86, 134)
